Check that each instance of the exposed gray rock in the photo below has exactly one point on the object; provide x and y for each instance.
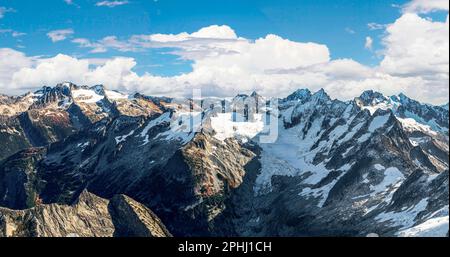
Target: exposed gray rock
(337, 168)
(90, 216)
(132, 219)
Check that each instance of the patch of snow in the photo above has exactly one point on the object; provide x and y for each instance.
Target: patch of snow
(121, 139)
(324, 191)
(291, 155)
(384, 105)
(435, 227)
(272, 166)
(410, 124)
(114, 95)
(346, 167)
(347, 151)
(385, 190)
(183, 126)
(417, 122)
(378, 122)
(405, 218)
(10, 130)
(86, 96)
(370, 209)
(164, 117)
(415, 141)
(65, 103)
(287, 114)
(352, 133)
(318, 172)
(392, 176)
(192, 206)
(364, 138)
(439, 213)
(347, 112)
(379, 167)
(225, 127)
(337, 132)
(83, 145)
(365, 179)
(432, 177)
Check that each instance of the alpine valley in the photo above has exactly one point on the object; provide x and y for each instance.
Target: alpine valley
(88, 161)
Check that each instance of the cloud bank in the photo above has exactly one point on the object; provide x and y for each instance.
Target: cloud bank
(224, 64)
(426, 6)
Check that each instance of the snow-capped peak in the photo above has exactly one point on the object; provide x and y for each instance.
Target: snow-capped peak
(406, 108)
(321, 95)
(370, 97)
(254, 94)
(99, 89)
(404, 99)
(299, 95)
(445, 106)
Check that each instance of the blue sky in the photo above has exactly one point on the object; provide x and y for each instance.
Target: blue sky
(343, 26)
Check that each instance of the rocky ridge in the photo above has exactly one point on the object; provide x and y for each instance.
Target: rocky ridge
(372, 165)
(89, 216)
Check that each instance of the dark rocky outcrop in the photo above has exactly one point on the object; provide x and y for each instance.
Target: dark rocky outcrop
(89, 216)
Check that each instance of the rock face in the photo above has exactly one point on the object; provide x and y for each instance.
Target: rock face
(132, 219)
(20, 183)
(90, 216)
(51, 114)
(375, 164)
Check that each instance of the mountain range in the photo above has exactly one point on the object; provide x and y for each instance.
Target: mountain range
(304, 165)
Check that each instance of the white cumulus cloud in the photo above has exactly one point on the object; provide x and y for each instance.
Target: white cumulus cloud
(10, 62)
(51, 71)
(60, 35)
(224, 64)
(416, 46)
(111, 4)
(426, 6)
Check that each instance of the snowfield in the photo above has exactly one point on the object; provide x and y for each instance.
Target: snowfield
(86, 96)
(435, 227)
(225, 127)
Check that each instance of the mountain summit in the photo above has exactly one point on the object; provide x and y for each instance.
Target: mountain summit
(376, 164)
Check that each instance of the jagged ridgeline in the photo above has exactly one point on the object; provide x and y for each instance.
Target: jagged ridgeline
(305, 165)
